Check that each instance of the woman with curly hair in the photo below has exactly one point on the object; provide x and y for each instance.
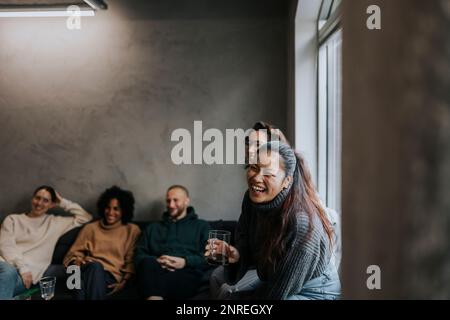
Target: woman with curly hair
(104, 249)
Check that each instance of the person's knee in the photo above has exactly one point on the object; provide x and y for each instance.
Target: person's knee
(92, 267)
(219, 289)
(148, 263)
(217, 276)
(7, 272)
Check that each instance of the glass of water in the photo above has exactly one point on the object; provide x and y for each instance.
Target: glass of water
(219, 239)
(47, 285)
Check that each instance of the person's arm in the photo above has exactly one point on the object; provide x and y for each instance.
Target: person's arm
(128, 268)
(143, 246)
(8, 248)
(296, 269)
(77, 253)
(235, 271)
(198, 259)
(79, 215)
(335, 220)
(298, 265)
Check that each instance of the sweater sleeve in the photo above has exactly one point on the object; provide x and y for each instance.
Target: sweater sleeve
(79, 215)
(8, 247)
(143, 246)
(79, 247)
(129, 255)
(296, 269)
(196, 260)
(301, 261)
(234, 272)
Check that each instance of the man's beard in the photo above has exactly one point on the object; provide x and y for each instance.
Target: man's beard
(176, 213)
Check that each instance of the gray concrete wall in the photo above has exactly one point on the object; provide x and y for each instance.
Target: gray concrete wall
(396, 149)
(83, 110)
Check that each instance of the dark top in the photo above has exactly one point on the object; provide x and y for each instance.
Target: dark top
(185, 238)
(305, 258)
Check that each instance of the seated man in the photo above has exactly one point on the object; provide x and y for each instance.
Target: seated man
(169, 256)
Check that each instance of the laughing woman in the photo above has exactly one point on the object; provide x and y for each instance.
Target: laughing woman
(104, 249)
(283, 231)
(27, 240)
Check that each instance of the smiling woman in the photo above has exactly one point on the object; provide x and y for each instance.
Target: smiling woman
(44, 198)
(27, 241)
(283, 230)
(267, 178)
(104, 249)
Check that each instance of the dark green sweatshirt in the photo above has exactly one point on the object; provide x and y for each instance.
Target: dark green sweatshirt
(185, 238)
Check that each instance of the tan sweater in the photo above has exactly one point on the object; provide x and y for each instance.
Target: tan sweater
(28, 243)
(111, 245)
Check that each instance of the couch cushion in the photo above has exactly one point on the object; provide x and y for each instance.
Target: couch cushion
(65, 241)
(130, 292)
(63, 245)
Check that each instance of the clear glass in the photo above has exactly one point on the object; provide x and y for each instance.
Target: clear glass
(47, 285)
(219, 255)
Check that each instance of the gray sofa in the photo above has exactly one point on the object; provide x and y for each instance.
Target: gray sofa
(130, 291)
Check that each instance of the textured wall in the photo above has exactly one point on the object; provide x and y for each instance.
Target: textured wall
(82, 110)
(396, 149)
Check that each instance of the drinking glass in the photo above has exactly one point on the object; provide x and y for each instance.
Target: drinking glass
(219, 239)
(47, 285)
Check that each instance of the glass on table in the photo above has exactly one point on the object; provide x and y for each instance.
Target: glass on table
(47, 285)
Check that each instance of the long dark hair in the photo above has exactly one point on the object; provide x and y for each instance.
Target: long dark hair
(301, 198)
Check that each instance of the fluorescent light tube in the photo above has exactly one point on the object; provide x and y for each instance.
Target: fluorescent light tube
(47, 13)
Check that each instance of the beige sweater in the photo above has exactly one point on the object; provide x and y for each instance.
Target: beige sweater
(111, 245)
(28, 243)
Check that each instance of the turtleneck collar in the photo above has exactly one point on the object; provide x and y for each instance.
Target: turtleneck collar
(275, 203)
(110, 226)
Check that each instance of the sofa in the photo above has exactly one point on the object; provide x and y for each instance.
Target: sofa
(130, 291)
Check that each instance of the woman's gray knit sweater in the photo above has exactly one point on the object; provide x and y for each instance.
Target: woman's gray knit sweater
(306, 256)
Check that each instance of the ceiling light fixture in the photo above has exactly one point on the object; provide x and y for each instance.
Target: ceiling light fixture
(44, 13)
(97, 4)
(30, 11)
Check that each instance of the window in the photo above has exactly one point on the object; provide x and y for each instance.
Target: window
(329, 105)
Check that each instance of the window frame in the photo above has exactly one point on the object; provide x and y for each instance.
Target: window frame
(329, 109)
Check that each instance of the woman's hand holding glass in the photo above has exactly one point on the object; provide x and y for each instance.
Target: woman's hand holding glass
(215, 245)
